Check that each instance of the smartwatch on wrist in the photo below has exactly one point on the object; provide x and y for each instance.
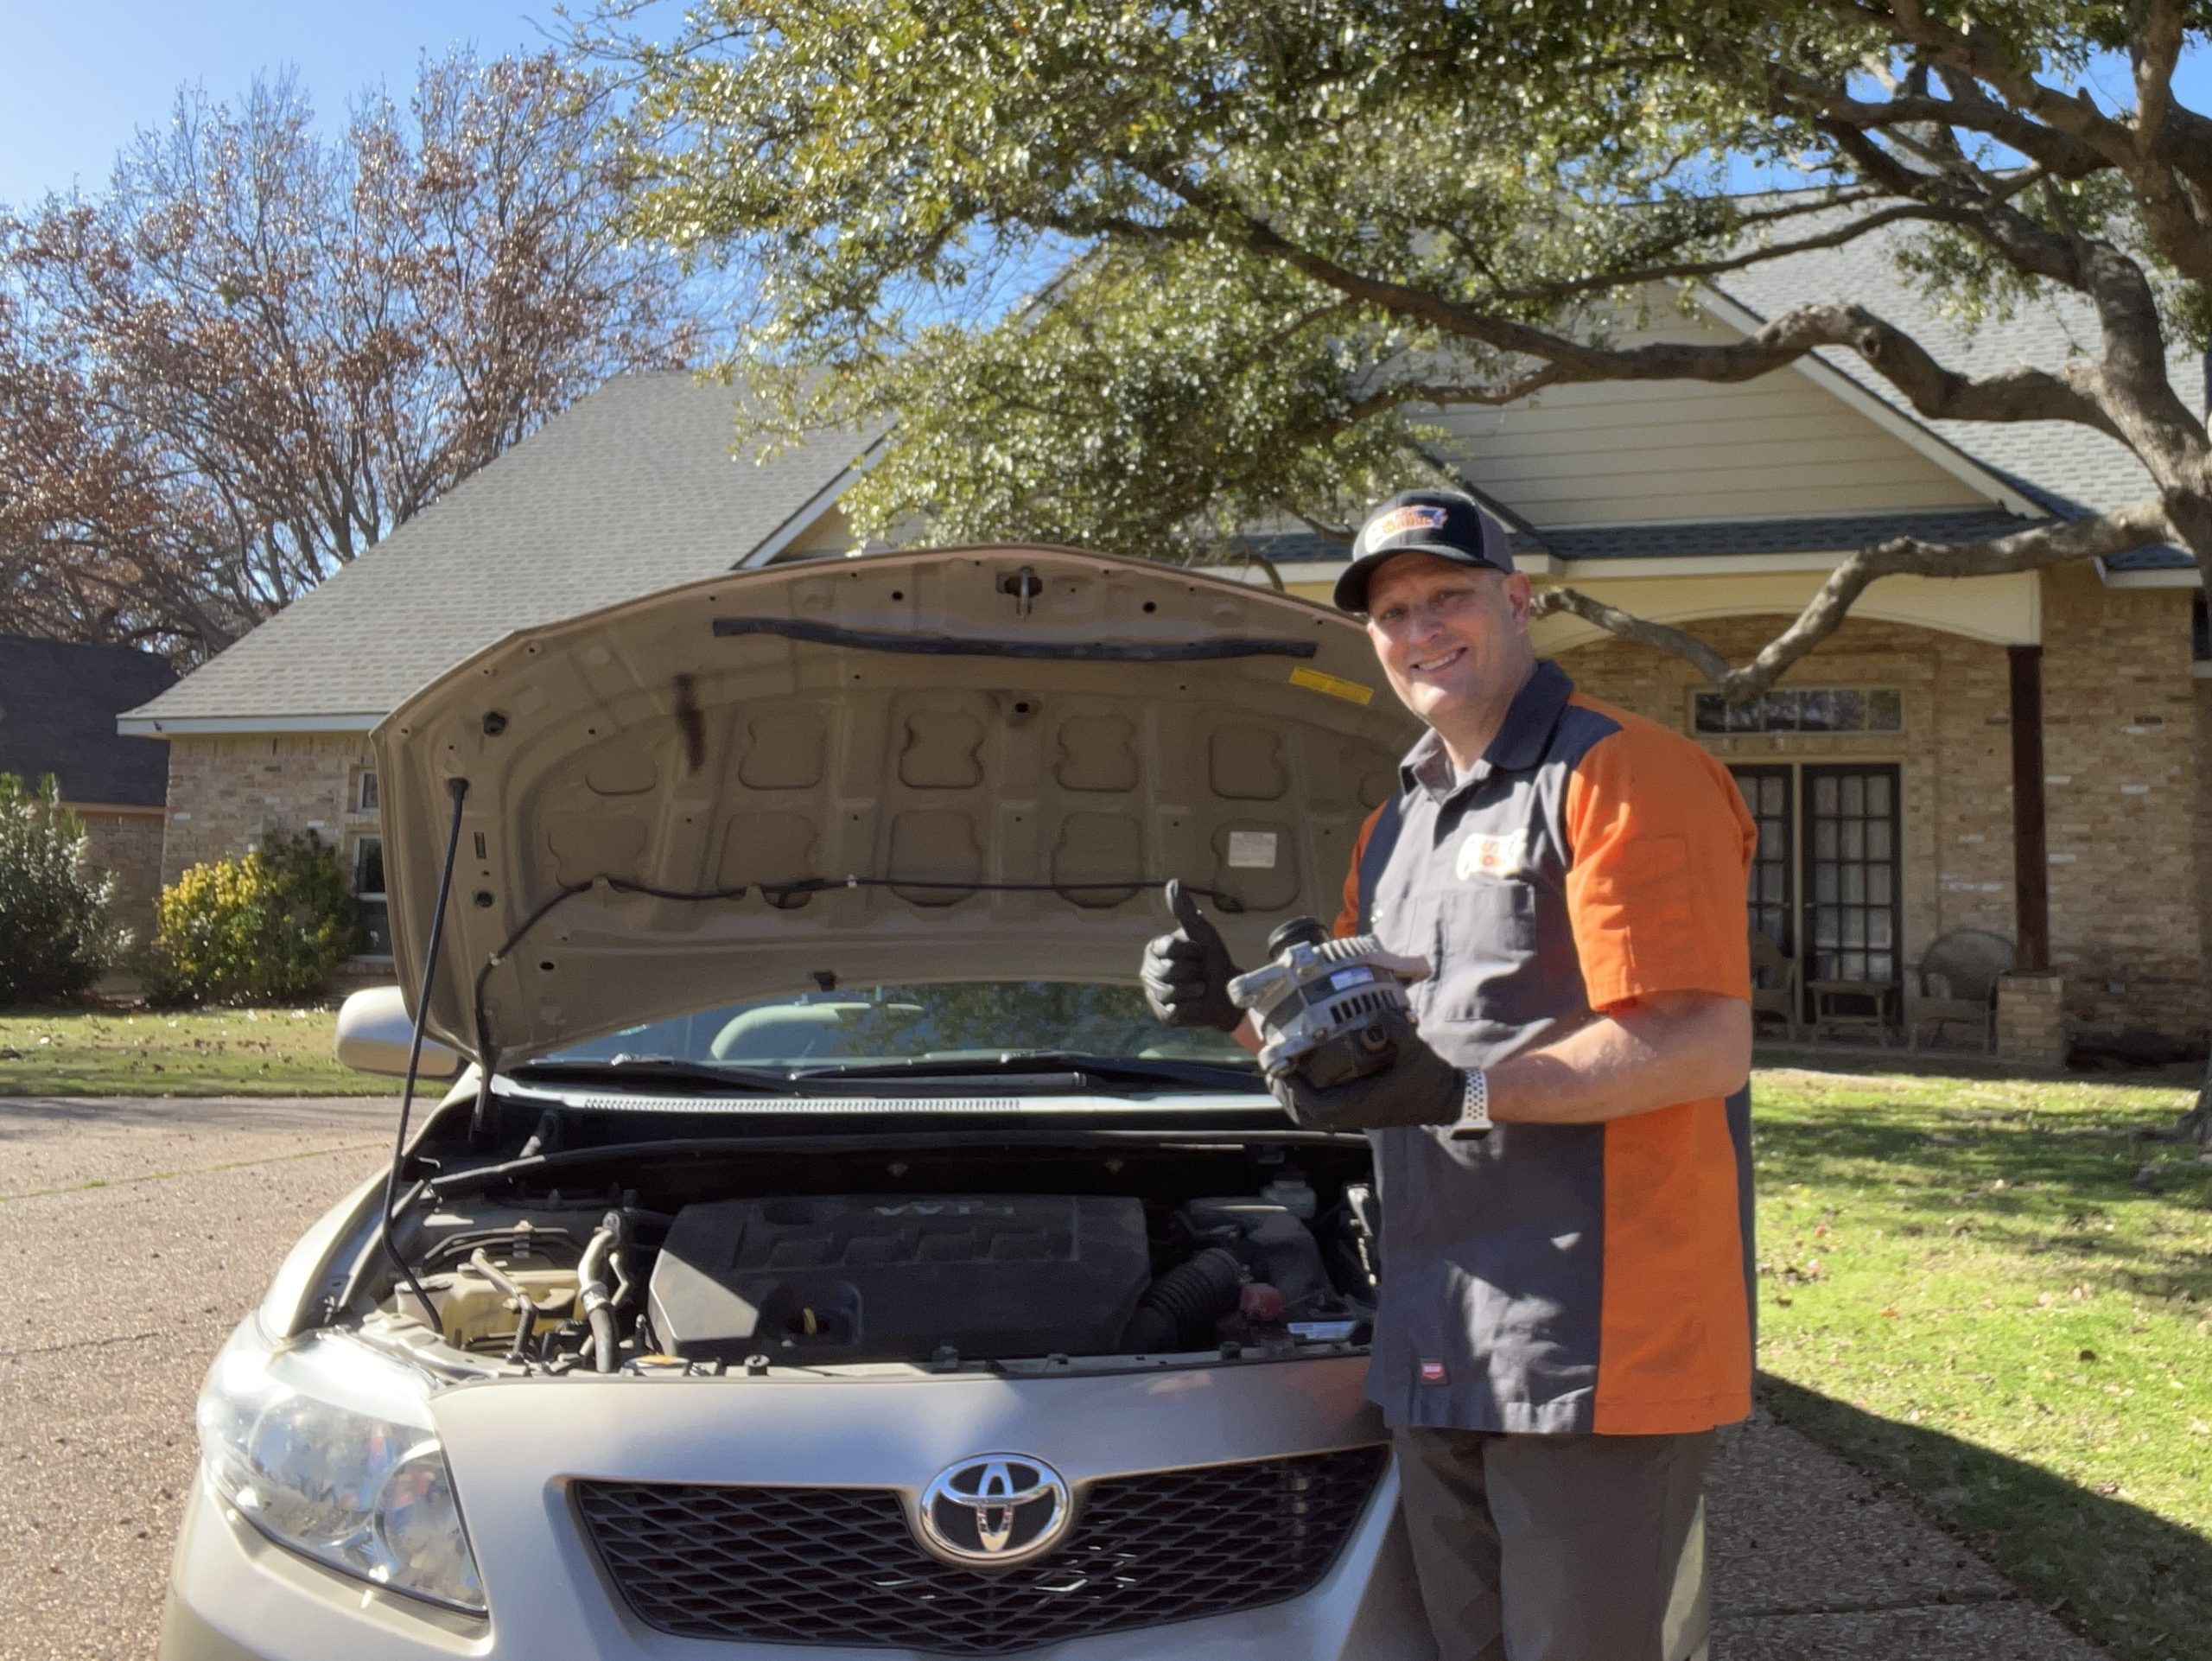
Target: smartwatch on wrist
(1473, 1122)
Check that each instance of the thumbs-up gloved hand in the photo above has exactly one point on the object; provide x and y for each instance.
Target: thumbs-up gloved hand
(1186, 973)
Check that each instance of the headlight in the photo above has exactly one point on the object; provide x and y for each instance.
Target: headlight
(327, 1447)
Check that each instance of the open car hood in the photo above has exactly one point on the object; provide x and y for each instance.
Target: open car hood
(968, 763)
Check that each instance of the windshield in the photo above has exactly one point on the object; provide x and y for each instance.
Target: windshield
(985, 1021)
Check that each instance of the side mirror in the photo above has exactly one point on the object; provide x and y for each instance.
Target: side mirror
(374, 1031)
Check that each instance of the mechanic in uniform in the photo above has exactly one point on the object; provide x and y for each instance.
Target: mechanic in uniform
(1566, 1311)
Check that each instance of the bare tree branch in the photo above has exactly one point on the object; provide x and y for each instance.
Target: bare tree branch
(2018, 395)
(1627, 626)
(1680, 270)
(260, 349)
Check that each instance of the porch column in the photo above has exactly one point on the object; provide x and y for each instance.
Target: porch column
(2031, 1015)
(2031, 863)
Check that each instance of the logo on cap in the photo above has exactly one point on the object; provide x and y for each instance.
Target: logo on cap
(1398, 522)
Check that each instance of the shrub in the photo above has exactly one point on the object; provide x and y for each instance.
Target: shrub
(267, 928)
(54, 935)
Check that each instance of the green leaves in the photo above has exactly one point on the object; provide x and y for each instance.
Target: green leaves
(267, 928)
(54, 935)
(1131, 274)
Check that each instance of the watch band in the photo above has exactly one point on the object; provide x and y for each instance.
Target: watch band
(1474, 1106)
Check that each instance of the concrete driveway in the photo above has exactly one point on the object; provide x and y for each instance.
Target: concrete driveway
(136, 1232)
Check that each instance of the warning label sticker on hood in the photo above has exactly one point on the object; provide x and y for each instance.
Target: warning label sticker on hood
(1252, 851)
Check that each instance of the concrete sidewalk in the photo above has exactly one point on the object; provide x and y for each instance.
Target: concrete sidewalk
(149, 1225)
(1815, 1561)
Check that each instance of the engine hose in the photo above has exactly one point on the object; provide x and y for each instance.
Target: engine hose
(1179, 1310)
(602, 1337)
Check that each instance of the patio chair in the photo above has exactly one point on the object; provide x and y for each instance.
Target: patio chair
(1956, 980)
(1775, 988)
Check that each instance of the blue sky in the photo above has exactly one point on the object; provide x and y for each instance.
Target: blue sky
(78, 77)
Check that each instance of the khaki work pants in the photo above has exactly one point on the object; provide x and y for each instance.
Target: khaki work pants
(1534, 1547)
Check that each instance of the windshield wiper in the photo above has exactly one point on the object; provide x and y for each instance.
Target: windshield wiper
(639, 1069)
(1112, 1069)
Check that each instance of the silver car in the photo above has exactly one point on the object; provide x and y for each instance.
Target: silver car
(819, 1247)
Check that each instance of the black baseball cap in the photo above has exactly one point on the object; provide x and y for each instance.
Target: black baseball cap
(1445, 522)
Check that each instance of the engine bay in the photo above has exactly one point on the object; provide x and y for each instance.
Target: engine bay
(939, 1258)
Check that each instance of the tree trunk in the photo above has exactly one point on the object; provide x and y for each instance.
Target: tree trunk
(2192, 523)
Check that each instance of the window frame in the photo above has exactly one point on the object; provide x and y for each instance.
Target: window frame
(379, 898)
(1761, 722)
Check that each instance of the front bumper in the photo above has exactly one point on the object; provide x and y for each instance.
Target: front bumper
(235, 1596)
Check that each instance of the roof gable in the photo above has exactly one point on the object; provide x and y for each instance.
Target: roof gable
(1581, 456)
(2070, 470)
(633, 489)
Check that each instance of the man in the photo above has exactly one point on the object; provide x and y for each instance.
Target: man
(1564, 1314)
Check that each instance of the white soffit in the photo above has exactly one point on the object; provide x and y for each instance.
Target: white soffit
(2175, 577)
(2003, 610)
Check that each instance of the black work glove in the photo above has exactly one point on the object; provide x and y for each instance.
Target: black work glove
(1186, 974)
(1420, 1088)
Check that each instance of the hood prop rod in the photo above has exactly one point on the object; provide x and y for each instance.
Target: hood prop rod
(458, 787)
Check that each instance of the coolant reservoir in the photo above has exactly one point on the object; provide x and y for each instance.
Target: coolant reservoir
(471, 1309)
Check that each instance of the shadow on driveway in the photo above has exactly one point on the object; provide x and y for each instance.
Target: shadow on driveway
(2124, 1577)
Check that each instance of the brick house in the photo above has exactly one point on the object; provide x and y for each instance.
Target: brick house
(58, 709)
(2024, 755)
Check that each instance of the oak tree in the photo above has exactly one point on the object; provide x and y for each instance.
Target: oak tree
(1133, 276)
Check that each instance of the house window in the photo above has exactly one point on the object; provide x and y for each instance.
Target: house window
(364, 791)
(1803, 709)
(1827, 884)
(368, 897)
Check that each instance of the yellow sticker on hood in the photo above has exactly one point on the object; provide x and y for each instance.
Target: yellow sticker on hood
(1351, 691)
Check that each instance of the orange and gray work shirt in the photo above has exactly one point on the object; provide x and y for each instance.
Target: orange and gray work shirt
(1573, 1277)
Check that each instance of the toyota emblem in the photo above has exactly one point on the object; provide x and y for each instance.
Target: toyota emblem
(995, 1509)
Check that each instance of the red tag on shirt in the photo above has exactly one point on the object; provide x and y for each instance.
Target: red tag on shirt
(1431, 1372)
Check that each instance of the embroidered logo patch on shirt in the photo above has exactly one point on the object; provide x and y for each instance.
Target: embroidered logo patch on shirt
(1482, 856)
(1431, 1372)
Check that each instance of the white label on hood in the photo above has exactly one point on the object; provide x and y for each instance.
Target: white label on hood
(1251, 850)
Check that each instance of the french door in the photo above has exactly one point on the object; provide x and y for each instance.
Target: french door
(1825, 883)
(1771, 795)
(1851, 905)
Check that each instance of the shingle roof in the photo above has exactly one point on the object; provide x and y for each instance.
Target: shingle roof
(2071, 469)
(633, 489)
(58, 705)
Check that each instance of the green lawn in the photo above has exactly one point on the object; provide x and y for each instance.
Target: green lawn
(210, 1053)
(1992, 1292)
(1988, 1289)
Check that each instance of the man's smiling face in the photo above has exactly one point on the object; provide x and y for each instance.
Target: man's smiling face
(1453, 640)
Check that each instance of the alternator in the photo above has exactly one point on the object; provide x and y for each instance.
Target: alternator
(1324, 1006)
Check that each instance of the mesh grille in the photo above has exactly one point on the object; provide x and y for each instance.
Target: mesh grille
(839, 1565)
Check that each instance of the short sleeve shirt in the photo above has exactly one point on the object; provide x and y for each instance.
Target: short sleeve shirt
(1565, 1278)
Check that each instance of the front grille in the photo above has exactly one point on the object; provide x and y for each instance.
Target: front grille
(839, 1565)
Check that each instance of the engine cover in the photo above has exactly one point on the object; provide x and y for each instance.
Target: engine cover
(887, 1277)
